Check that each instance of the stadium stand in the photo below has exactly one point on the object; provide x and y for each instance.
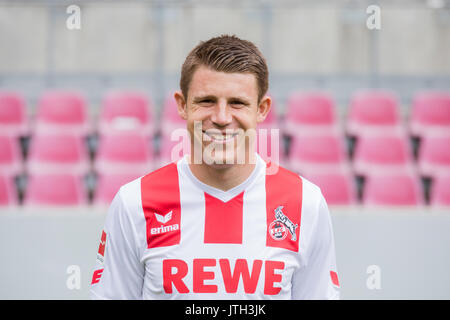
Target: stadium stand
(372, 111)
(11, 162)
(107, 186)
(13, 114)
(434, 155)
(317, 151)
(62, 111)
(430, 113)
(394, 189)
(63, 189)
(58, 153)
(8, 194)
(129, 152)
(338, 188)
(381, 153)
(440, 191)
(309, 111)
(126, 110)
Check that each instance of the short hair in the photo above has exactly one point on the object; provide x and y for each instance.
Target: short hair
(226, 54)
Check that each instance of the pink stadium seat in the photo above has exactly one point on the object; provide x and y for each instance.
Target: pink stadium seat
(108, 185)
(55, 190)
(126, 110)
(174, 147)
(129, 152)
(379, 153)
(10, 156)
(318, 152)
(8, 193)
(440, 191)
(307, 111)
(434, 155)
(52, 153)
(373, 111)
(62, 111)
(170, 119)
(397, 189)
(430, 113)
(338, 188)
(13, 114)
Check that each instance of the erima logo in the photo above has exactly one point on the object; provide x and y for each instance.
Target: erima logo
(164, 219)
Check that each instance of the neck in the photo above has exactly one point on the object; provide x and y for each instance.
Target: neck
(223, 177)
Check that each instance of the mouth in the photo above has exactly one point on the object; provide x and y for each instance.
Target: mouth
(219, 137)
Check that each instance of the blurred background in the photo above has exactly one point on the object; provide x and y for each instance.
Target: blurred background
(361, 94)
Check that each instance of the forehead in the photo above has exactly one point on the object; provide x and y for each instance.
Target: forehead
(206, 81)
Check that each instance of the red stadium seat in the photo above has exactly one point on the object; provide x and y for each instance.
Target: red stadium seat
(308, 111)
(55, 190)
(108, 185)
(8, 193)
(373, 111)
(396, 189)
(13, 114)
(323, 152)
(440, 191)
(338, 188)
(379, 153)
(10, 156)
(434, 155)
(52, 153)
(126, 110)
(430, 113)
(62, 111)
(129, 152)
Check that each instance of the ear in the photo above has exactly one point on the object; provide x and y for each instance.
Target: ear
(263, 109)
(181, 104)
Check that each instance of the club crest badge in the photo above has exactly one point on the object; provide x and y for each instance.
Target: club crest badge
(281, 226)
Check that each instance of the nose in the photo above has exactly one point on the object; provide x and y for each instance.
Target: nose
(221, 115)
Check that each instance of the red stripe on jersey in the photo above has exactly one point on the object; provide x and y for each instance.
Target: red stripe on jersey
(160, 195)
(283, 198)
(223, 220)
(334, 278)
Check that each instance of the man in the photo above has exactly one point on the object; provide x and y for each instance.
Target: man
(216, 224)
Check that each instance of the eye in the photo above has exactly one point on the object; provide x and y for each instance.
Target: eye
(237, 103)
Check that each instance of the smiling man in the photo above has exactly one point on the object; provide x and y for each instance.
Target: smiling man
(218, 224)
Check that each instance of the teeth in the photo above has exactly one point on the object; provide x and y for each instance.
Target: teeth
(220, 137)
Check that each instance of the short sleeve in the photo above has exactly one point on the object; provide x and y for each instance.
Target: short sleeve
(318, 280)
(118, 273)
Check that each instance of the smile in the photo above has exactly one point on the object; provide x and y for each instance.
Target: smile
(219, 137)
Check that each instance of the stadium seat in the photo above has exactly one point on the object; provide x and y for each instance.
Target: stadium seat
(10, 156)
(440, 191)
(434, 155)
(309, 111)
(129, 152)
(174, 147)
(430, 113)
(373, 111)
(107, 186)
(378, 153)
(13, 114)
(62, 112)
(395, 189)
(55, 190)
(170, 119)
(323, 152)
(338, 188)
(126, 110)
(57, 153)
(8, 193)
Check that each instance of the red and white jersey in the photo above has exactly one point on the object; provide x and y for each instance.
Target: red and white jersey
(167, 235)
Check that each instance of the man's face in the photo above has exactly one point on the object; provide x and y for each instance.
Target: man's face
(222, 112)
